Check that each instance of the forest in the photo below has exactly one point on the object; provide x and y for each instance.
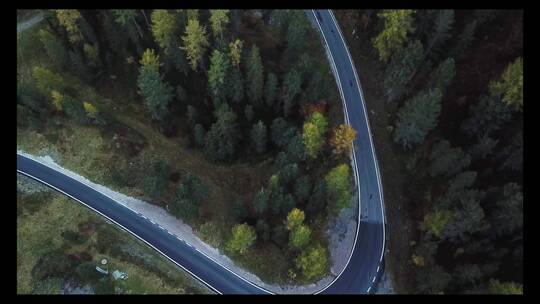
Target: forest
(231, 121)
(229, 88)
(450, 86)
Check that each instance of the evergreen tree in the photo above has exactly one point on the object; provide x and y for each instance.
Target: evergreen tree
(300, 237)
(260, 203)
(313, 262)
(508, 216)
(397, 24)
(302, 188)
(235, 52)
(443, 75)
(166, 29)
(217, 76)
(258, 137)
(486, 116)
(195, 42)
(443, 26)
(281, 131)
(511, 85)
(157, 180)
(70, 19)
(248, 112)
(54, 47)
(417, 117)
(199, 135)
(219, 19)
(46, 80)
(338, 188)
(314, 134)
(254, 76)
(402, 68)
(447, 161)
(222, 138)
(235, 91)
(157, 94)
(243, 236)
(271, 89)
(292, 83)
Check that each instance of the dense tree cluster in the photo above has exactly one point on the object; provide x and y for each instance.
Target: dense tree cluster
(471, 224)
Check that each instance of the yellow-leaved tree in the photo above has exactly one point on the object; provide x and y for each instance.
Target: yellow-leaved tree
(342, 139)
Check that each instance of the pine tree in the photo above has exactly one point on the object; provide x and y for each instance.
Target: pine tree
(217, 76)
(447, 161)
(402, 68)
(443, 26)
(271, 89)
(157, 94)
(219, 19)
(258, 137)
(46, 80)
(300, 237)
(260, 203)
(443, 75)
(314, 134)
(54, 47)
(235, 52)
(338, 188)
(397, 24)
(199, 135)
(486, 116)
(302, 188)
(243, 236)
(511, 85)
(313, 262)
(248, 112)
(292, 83)
(254, 76)
(435, 221)
(70, 19)
(195, 42)
(295, 218)
(417, 117)
(126, 19)
(235, 91)
(222, 138)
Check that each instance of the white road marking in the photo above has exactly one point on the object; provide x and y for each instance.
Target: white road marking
(355, 169)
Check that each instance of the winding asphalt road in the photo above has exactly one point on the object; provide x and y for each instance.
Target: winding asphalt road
(364, 264)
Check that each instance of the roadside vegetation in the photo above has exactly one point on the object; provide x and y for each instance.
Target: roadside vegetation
(60, 243)
(445, 93)
(228, 119)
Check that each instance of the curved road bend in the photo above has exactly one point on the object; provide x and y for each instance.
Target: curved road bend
(365, 261)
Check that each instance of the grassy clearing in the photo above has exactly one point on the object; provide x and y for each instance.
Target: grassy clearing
(40, 232)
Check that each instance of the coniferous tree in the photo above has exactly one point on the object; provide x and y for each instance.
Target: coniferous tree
(222, 138)
(258, 137)
(218, 76)
(254, 76)
(157, 93)
(195, 42)
(397, 24)
(417, 117)
(292, 83)
(402, 68)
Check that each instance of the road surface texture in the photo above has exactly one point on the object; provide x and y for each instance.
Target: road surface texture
(364, 264)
